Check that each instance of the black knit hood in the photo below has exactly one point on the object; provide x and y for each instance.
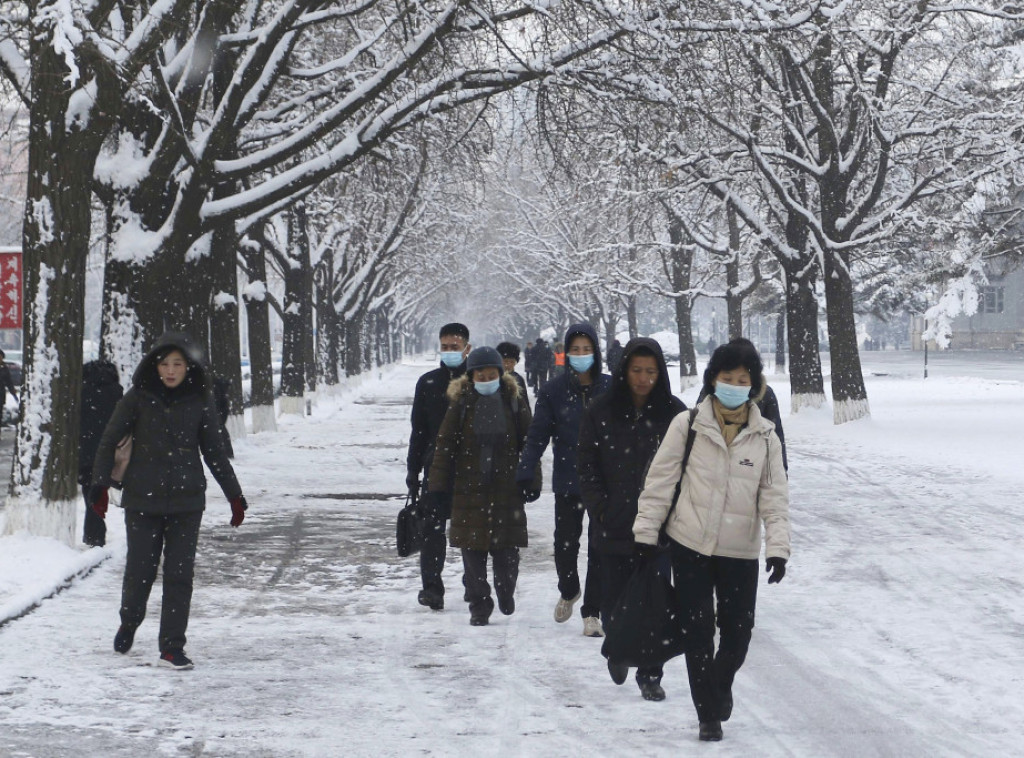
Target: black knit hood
(661, 400)
(197, 379)
(100, 372)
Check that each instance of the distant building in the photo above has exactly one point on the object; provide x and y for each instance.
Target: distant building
(998, 323)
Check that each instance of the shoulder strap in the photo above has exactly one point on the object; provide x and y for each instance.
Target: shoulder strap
(691, 435)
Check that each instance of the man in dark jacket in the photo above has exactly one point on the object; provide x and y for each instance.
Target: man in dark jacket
(528, 361)
(543, 361)
(429, 405)
(614, 357)
(101, 389)
(621, 432)
(509, 352)
(6, 382)
(557, 414)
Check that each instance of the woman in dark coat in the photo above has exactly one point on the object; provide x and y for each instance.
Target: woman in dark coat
(475, 459)
(620, 434)
(171, 416)
(101, 390)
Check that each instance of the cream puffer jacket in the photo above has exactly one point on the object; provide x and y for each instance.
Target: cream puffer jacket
(726, 492)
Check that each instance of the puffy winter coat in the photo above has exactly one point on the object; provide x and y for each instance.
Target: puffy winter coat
(726, 494)
(169, 428)
(617, 445)
(487, 513)
(557, 414)
(429, 405)
(101, 390)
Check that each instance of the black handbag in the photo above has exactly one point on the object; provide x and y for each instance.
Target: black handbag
(409, 528)
(646, 627)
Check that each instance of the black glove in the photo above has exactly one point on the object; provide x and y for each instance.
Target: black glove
(528, 492)
(645, 551)
(777, 567)
(412, 483)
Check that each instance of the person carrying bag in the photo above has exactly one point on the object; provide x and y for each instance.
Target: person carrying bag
(734, 484)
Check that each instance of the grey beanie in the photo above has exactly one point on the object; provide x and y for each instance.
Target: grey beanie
(482, 357)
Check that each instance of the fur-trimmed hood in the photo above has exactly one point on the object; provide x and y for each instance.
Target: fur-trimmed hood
(464, 385)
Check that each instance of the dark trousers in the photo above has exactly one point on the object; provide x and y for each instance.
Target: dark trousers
(699, 580)
(615, 572)
(435, 508)
(94, 529)
(569, 512)
(176, 537)
(504, 569)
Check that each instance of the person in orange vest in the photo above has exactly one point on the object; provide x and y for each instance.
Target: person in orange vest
(559, 350)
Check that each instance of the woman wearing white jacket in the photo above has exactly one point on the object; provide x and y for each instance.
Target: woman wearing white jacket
(734, 481)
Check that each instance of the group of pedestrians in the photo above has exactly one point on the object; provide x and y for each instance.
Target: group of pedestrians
(626, 455)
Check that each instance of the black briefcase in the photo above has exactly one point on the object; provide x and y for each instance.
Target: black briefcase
(409, 528)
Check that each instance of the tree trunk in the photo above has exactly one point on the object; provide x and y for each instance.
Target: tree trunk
(353, 347)
(225, 350)
(807, 386)
(293, 358)
(849, 395)
(44, 494)
(780, 342)
(261, 372)
(680, 270)
(631, 318)
(733, 297)
(121, 336)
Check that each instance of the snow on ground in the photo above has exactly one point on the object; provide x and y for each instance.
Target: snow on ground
(898, 630)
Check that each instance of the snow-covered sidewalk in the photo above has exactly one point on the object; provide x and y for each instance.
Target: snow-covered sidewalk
(898, 630)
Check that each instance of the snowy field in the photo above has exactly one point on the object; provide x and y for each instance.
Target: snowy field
(898, 631)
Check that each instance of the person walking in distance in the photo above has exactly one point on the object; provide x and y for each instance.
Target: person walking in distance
(429, 405)
(558, 411)
(475, 460)
(733, 484)
(620, 434)
(170, 415)
(509, 352)
(101, 391)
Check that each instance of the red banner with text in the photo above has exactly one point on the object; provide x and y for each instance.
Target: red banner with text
(10, 291)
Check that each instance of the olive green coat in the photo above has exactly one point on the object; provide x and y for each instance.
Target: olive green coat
(485, 515)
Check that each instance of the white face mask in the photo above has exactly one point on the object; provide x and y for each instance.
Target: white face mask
(730, 395)
(452, 358)
(487, 388)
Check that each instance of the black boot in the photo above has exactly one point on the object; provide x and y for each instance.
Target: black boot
(124, 638)
(432, 599)
(725, 710)
(651, 691)
(710, 731)
(618, 672)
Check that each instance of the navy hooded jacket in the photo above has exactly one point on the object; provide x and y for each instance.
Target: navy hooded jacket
(556, 418)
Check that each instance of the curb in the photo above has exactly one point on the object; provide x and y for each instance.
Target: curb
(31, 598)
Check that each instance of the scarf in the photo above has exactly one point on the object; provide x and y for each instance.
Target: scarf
(489, 430)
(730, 421)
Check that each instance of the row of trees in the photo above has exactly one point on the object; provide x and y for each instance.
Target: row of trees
(392, 159)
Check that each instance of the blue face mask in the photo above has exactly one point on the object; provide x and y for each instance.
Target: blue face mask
(730, 395)
(452, 359)
(581, 363)
(487, 388)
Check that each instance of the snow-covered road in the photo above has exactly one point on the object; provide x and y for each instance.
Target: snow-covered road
(898, 630)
